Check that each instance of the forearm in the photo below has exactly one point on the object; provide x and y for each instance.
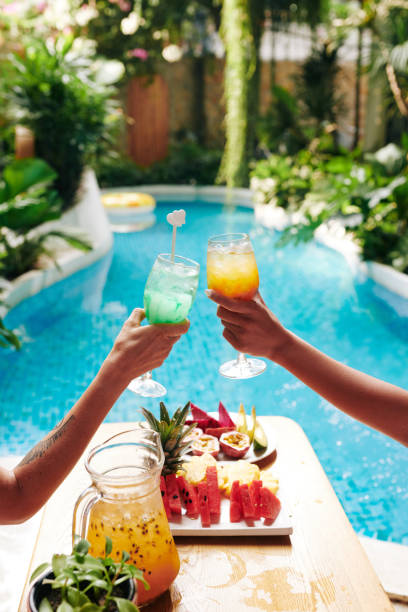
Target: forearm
(50, 461)
(372, 401)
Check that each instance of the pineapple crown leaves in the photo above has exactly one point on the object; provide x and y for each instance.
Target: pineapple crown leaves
(172, 432)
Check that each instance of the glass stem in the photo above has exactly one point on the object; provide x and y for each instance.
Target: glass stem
(146, 376)
(241, 359)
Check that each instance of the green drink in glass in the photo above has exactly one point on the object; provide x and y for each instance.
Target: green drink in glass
(168, 296)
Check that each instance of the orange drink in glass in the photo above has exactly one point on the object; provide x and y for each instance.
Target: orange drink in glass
(125, 504)
(232, 272)
(141, 528)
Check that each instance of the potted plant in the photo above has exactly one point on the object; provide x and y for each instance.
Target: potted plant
(81, 583)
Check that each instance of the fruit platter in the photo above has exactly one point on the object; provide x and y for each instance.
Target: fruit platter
(210, 482)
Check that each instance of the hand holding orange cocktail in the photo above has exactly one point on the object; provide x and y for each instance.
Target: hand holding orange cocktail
(232, 271)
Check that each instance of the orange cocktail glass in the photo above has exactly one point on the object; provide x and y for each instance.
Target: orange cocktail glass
(125, 504)
(232, 271)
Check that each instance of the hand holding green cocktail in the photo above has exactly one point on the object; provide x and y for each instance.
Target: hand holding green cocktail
(169, 294)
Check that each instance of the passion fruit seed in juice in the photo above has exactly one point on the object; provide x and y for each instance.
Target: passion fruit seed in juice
(145, 534)
(232, 274)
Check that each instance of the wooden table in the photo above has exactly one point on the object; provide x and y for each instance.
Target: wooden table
(322, 566)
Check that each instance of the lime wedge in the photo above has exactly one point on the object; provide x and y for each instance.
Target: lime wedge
(260, 439)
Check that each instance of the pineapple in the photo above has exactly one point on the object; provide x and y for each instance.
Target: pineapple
(173, 433)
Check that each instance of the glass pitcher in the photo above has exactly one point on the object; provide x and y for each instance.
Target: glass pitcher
(125, 503)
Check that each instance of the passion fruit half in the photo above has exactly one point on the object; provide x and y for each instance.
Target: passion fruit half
(235, 444)
(205, 444)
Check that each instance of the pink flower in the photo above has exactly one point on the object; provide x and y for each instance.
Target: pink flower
(124, 6)
(12, 8)
(142, 54)
(41, 6)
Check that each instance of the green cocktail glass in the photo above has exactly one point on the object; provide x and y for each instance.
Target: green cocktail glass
(168, 296)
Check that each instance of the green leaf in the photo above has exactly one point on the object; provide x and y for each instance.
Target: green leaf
(76, 598)
(22, 174)
(65, 607)
(45, 606)
(39, 570)
(81, 547)
(108, 546)
(82, 244)
(59, 563)
(124, 605)
(125, 556)
(164, 415)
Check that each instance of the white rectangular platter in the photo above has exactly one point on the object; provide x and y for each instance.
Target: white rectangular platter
(186, 526)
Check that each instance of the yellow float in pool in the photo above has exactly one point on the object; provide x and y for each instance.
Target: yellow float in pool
(128, 199)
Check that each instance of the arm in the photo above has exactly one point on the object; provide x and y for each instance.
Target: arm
(136, 350)
(252, 328)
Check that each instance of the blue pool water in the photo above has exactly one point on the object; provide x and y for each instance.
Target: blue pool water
(71, 326)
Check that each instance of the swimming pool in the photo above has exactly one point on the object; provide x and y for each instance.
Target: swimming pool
(70, 328)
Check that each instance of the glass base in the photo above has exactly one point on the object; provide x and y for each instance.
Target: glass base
(242, 368)
(146, 387)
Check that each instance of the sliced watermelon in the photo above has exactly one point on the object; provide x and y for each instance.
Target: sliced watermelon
(165, 498)
(235, 512)
(223, 416)
(270, 504)
(255, 496)
(235, 503)
(202, 491)
(199, 414)
(189, 497)
(173, 493)
(248, 509)
(218, 431)
(214, 497)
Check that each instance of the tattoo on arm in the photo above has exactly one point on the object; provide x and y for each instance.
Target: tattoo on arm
(40, 448)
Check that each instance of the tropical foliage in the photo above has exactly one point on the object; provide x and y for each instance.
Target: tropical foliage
(58, 91)
(367, 195)
(27, 202)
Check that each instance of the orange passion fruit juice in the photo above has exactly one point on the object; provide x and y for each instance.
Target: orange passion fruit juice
(140, 527)
(233, 273)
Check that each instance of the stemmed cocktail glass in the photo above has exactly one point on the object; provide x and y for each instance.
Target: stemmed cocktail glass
(232, 272)
(169, 294)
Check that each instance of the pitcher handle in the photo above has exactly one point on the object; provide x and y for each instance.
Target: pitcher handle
(81, 512)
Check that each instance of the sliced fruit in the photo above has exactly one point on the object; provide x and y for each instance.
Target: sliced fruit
(165, 498)
(214, 497)
(235, 512)
(251, 432)
(200, 423)
(205, 444)
(189, 497)
(194, 470)
(218, 431)
(270, 504)
(254, 492)
(199, 414)
(260, 439)
(236, 491)
(224, 417)
(193, 434)
(240, 470)
(235, 503)
(202, 491)
(235, 444)
(248, 509)
(241, 423)
(270, 481)
(173, 493)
